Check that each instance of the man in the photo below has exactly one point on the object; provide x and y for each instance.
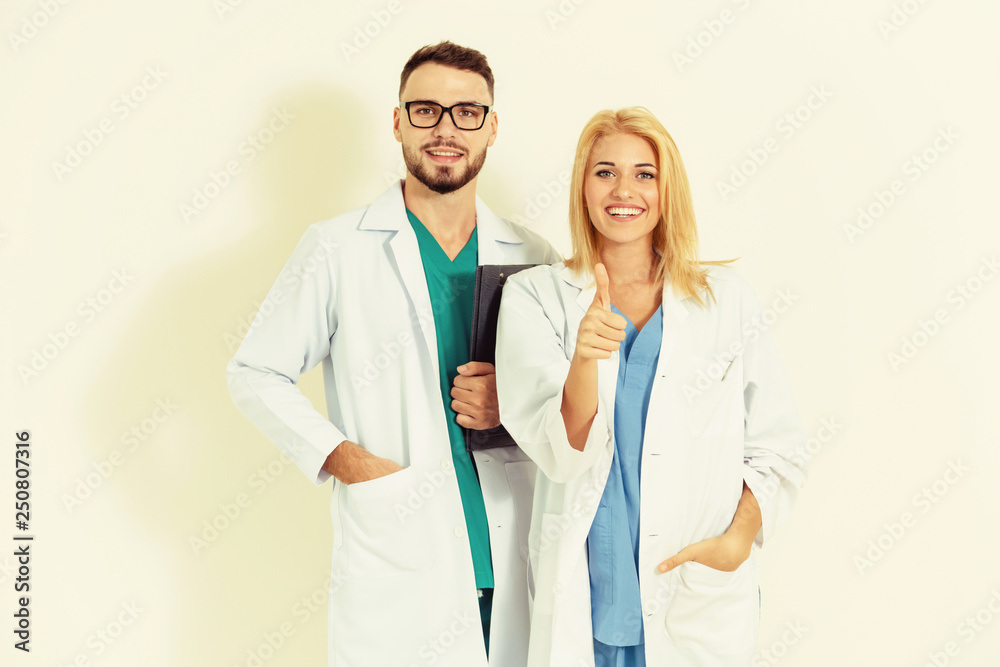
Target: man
(429, 543)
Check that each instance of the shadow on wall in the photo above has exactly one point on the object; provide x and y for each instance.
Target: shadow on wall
(235, 588)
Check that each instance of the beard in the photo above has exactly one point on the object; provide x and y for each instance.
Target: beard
(440, 178)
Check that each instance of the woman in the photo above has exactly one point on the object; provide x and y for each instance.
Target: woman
(652, 399)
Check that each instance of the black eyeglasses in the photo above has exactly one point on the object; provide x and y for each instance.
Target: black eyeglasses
(465, 116)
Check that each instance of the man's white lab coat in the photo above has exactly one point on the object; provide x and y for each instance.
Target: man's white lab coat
(354, 297)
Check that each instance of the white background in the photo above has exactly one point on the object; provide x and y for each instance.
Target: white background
(192, 282)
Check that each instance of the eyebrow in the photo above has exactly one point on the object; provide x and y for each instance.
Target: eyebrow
(641, 164)
(454, 105)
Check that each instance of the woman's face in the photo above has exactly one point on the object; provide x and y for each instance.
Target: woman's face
(621, 190)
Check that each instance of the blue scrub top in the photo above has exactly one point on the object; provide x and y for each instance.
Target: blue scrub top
(613, 542)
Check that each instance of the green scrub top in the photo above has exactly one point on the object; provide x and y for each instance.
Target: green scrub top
(451, 285)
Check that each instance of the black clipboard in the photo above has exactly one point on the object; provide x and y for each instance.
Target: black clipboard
(485, 310)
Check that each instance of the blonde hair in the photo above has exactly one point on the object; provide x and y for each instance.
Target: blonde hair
(675, 237)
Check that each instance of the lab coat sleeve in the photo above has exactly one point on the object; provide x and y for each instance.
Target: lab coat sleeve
(531, 370)
(280, 346)
(774, 468)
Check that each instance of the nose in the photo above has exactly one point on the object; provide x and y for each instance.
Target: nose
(621, 189)
(446, 126)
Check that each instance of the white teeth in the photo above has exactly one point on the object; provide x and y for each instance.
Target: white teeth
(448, 153)
(623, 211)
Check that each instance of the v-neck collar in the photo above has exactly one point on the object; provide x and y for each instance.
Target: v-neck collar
(426, 239)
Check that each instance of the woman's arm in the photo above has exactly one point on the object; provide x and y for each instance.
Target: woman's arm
(601, 332)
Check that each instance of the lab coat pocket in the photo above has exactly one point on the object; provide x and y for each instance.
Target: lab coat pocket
(382, 535)
(716, 397)
(714, 612)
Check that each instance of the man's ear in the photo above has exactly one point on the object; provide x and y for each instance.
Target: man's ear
(396, 118)
(493, 129)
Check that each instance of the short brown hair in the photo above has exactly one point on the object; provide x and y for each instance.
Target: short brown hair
(451, 55)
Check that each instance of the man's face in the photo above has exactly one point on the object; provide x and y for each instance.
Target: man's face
(444, 158)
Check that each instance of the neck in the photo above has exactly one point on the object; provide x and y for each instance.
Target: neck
(629, 264)
(445, 216)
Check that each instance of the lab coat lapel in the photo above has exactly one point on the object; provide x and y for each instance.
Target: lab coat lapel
(388, 213)
(674, 314)
(495, 237)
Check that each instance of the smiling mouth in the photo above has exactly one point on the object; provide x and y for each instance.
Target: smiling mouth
(623, 212)
(443, 153)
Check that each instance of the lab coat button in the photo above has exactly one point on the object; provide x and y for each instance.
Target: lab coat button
(446, 464)
(557, 588)
(459, 532)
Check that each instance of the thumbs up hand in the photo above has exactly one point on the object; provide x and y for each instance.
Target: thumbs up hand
(601, 330)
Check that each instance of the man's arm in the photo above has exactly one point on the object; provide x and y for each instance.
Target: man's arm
(289, 339)
(352, 463)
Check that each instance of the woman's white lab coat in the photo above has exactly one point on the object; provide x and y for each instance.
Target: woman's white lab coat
(720, 413)
(354, 297)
